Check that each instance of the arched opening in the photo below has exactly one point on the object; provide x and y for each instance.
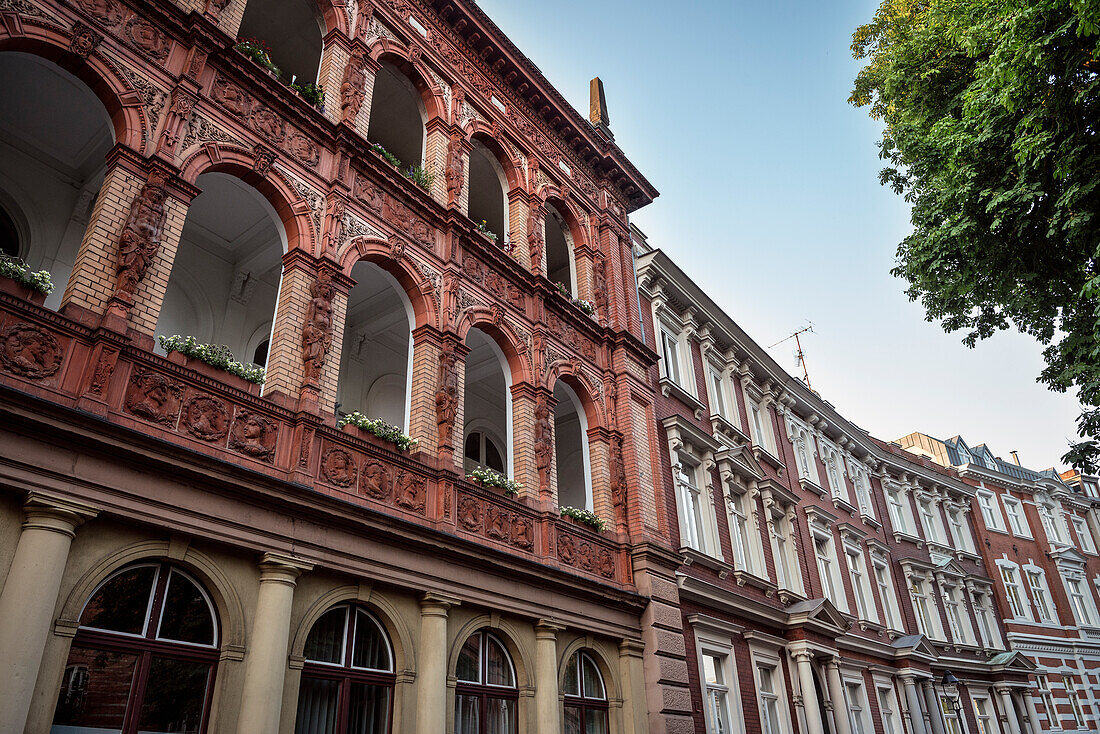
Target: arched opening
(293, 30)
(488, 187)
(397, 116)
(53, 146)
(571, 449)
(487, 400)
(560, 265)
(226, 273)
(144, 656)
(585, 696)
(348, 676)
(486, 694)
(375, 362)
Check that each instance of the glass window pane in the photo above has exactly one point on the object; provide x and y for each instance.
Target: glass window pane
(175, 696)
(595, 721)
(593, 683)
(500, 716)
(369, 709)
(370, 649)
(122, 604)
(317, 706)
(467, 716)
(186, 616)
(711, 670)
(572, 677)
(325, 643)
(492, 456)
(469, 659)
(94, 691)
(473, 447)
(573, 721)
(498, 666)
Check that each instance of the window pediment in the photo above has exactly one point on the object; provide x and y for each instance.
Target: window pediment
(738, 466)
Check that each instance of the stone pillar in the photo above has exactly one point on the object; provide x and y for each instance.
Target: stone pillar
(836, 694)
(1009, 721)
(935, 713)
(1032, 712)
(632, 674)
(812, 715)
(912, 702)
(437, 140)
(522, 441)
(334, 62)
(431, 683)
(29, 597)
(546, 677)
(265, 662)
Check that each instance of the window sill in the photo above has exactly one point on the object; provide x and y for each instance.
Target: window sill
(692, 556)
(970, 555)
(762, 452)
(899, 536)
(868, 625)
(671, 389)
(746, 578)
(811, 486)
(842, 504)
(870, 520)
(722, 426)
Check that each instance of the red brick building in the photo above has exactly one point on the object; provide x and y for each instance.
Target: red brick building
(830, 582)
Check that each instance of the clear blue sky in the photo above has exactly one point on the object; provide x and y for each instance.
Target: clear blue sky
(737, 112)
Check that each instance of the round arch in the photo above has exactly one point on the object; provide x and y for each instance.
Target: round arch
(409, 63)
(600, 654)
(512, 349)
(122, 102)
(568, 373)
(401, 639)
(552, 196)
(289, 207)
(222, 591)
(508, 634)
(483, 132)
(419, 291)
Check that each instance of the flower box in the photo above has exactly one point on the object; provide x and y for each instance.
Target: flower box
(368, 429)
(214, 373)
(365, 435)
(15, 288)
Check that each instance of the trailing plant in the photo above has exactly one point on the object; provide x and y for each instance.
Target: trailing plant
(390, 157)
(483, 227)
(17, 270)
(421, 177)
(378, 427)
(258, 51)
(589, 307)
(488, 478)
(215, 355)
(310, 92)
(586, 517)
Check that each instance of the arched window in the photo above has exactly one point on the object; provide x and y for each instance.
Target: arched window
(9, 235)
(571, 449)
(144, 656)
(347, 681)
(560, 267)
(260, 355)
(480, 450)
(293, 30)
(397, 115)
(488, 187)
(486, 694)
(585, 696)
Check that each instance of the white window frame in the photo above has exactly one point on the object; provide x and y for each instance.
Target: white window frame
(959, 528)
(828, 568)
(954, 604)
(900, 509)
(1084, 535)
(922, 594)
(696, 527)
(981, 600)
(721, 395)
(861, 590)
(990, 508)
(761, 426)
(1014, 591)
(744, 534)
(715, 638)
(1040, 594)
(859, 709)
(1046, 694)
(1049, 517)
(778, 695)
(861, 481)
(985, 715)
(672, 364)
(928, 509)
(887, 592)
(1017, 520)
(788, 570)
(1078, 712)
(1080, 601)
(950, 718)
(888, 707)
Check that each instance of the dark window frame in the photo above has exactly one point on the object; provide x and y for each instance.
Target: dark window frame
(485, 692)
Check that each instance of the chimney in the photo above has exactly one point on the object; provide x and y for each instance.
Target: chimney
(1015, 457)
(597, 108)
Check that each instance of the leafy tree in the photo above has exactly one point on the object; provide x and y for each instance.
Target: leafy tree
(992, 134)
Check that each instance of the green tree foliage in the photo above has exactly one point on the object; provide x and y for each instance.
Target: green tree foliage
(992, 134)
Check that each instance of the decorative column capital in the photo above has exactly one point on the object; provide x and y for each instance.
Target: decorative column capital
(56, 514)
(280, 569)
(629, 648)
(434, 603)
(548, 629)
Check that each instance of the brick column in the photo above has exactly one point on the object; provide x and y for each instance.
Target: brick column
(335, 54)
(523, 439)
(437, 140)
(29, 597)
(599, 453)
(94, 279)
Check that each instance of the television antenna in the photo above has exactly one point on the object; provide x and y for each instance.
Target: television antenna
(799, 354)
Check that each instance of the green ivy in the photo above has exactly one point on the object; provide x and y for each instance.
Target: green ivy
(215, 355)
(17, 270)
(378, 427)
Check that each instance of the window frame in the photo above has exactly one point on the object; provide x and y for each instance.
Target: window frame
(989, 506)
(1046, 694)
(484, 691)
(1084, 534)
(1017, 602)
(884, 584)
(585, 703)
(1040, 594)
(1017, 520)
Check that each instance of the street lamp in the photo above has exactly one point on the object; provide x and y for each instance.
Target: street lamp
(949, 692)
